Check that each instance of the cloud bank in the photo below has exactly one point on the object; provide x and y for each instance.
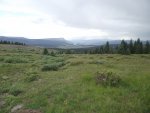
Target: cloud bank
(76, 18)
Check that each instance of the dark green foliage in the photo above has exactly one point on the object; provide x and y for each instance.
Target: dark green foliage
(107, 48)
(52, 53)
(15, 91)
(102, 50)
(123, 48)
(4, 89)
(15, 60)
(131, 47)
(45, 51)
(32, 77)
(53, 67)
(1, 59)
(138, 46)
(68, 51)
(107, 79)
(147, 48)
(13, 43)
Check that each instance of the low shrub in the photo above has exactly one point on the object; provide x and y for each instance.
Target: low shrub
(107, 79)
(31, 77)
(53, 67)
(15, 60)
(4, 90)
(15, 91)
(1, 59)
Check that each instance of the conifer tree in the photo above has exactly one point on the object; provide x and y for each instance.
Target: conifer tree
(147, 48)
(123, 49)
(131, 47)
(107, 47)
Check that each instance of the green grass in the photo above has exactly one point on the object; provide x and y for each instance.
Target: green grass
(71, 87)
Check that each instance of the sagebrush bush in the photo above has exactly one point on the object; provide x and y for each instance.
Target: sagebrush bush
(53, 67)
(31, 77)
(15, 91)
(1, 59)
(107, 79)
(15, 60)
(4, 90)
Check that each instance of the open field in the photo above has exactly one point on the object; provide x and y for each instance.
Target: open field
(66, 83)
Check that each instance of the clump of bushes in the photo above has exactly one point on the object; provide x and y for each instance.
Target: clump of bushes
(53, 67)
(107, 79)
(15, 90)
(4, 89)
(1, 59)
(31, 77)
(52, 53)
(15, 60)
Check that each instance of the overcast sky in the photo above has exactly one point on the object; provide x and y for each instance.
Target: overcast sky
(72, 19)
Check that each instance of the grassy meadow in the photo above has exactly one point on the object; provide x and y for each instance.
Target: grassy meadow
(66, 83)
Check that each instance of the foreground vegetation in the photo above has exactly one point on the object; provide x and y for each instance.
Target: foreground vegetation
(73, 83)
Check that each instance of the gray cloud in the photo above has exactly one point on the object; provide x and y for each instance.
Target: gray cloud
(116, 17)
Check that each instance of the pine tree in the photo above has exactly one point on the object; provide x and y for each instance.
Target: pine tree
(45, 51)
(101, 51)
(141, 48)
(131, 47)
(138, 46)
(107, 47)
(123, 49)
(52, 53)
(147, 48)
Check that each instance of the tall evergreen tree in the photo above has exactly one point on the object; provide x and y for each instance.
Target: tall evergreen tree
(141, 48)
(101, 50)
(107, 47)
(123, 49)
(147, 47)
(138, 46)
(131, 47)
(45, 51)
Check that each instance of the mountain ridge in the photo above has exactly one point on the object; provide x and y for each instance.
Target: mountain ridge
(47, 42)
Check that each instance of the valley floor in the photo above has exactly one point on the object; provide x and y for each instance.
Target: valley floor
(66, 83)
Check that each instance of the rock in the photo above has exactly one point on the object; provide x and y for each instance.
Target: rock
(16, 108)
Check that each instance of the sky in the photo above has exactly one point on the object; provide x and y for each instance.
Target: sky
(75, 19)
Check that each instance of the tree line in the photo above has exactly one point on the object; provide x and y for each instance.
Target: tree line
(11, 42)
(125, 47)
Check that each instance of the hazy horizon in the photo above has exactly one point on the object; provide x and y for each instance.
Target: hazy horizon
(75, 19)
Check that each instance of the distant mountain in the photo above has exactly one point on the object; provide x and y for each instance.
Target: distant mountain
(49, 42)
(94, 42)
(62, 43)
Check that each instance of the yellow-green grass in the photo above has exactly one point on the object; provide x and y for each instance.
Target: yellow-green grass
(72, 87)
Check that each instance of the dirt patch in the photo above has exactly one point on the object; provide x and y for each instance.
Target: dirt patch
(28, 111)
